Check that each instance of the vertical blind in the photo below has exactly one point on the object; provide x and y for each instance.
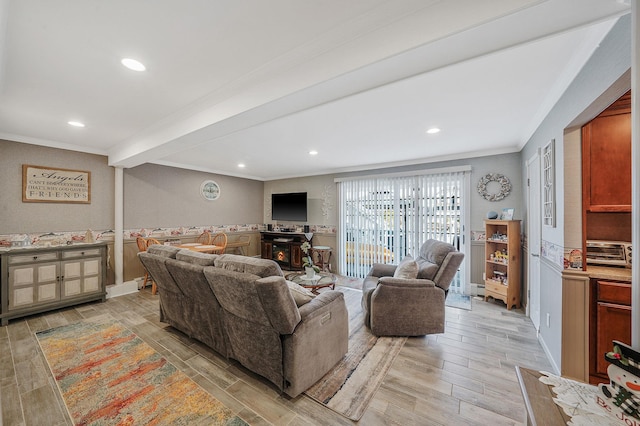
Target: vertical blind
(382, 219)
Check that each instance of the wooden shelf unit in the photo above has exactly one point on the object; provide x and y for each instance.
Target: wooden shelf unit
(502, 261)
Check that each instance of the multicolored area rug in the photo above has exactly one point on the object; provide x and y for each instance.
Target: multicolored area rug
(348, 388)
(107, 375)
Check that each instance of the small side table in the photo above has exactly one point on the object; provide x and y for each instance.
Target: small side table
(321, 280)
(324, 257)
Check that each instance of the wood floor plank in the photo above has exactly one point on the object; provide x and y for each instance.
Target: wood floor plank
(41, 407)
(501, 406)
(265, 406)
(481, 416)
(464, 376)
(11, 410)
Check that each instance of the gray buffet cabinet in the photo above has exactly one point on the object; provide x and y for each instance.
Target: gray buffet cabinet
(40, 279)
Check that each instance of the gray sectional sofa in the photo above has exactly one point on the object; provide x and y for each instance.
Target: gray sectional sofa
(243, 309)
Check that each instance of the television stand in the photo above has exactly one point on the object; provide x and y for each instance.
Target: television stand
(283, 248)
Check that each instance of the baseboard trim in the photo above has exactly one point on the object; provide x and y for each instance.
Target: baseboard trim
(127, 287)
(556, 369)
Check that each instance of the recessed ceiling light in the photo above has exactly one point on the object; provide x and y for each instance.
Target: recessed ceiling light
(75, 123)
(313, 152)
(242, 165)
(132, 64)
(433, 130)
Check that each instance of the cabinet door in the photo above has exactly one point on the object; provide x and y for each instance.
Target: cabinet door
(266, 251)
(613, 323)
(607, 143)
(296, 256)
(80, 276)
(33, 284)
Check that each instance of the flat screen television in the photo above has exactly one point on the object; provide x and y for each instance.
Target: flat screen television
(291, 206)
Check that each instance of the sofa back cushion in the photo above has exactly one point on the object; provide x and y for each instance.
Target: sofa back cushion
(426, 269)
(204, 315)
(439, 262)
(164, 251)
(432, 255)
(267, 302)
(257, 311)
(435, 251)
(260, 267)
(155, 265)
(191, 280)
(202, 259)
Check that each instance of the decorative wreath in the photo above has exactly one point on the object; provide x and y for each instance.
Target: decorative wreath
(505, 186)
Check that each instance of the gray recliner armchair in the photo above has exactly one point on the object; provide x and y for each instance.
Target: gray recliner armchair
(395, 306)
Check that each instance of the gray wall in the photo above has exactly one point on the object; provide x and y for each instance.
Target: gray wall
(602, 80)
(321, 198)
(161, 196)
(155, 196)
(18, 217)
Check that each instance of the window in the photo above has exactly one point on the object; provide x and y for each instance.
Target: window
(548, 180)
(384, 218)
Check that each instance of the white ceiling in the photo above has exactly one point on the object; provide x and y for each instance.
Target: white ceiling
(264, 82)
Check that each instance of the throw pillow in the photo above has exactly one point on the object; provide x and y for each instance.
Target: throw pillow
(300, 294)
(407, 269)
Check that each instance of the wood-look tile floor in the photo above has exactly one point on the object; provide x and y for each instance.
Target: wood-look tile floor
(464, 376)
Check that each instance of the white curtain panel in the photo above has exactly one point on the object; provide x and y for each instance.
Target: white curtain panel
(384, 218)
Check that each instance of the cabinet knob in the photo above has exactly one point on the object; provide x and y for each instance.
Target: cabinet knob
(35, 257)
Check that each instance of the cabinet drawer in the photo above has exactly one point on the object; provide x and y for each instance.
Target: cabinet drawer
(72, 254)
(35, 257)
(613, 292)
(495, 287)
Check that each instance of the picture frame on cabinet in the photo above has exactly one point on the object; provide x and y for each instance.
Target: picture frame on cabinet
(507, 213)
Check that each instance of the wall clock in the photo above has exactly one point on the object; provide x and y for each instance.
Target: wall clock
(210, 190)
(501, 180)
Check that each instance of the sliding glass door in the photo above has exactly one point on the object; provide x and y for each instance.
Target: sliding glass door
(384, 218)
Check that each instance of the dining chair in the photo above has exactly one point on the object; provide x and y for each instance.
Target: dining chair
(220, 240)
(143, 244)
(154, 287)
(204, 238)
(239, 244)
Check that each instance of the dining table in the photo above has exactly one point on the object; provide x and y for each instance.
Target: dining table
(202, 248)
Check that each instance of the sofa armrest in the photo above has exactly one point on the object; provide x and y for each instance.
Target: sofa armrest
(314, 306)
(405, 282)
(317, 344)
(382, 270)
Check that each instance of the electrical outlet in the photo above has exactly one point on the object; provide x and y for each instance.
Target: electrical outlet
(548, 319)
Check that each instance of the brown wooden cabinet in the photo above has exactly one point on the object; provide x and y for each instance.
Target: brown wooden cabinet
(610, 320)
(502, 263)
(606, 174)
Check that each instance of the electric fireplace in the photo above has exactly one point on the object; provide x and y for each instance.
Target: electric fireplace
(281, 254)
